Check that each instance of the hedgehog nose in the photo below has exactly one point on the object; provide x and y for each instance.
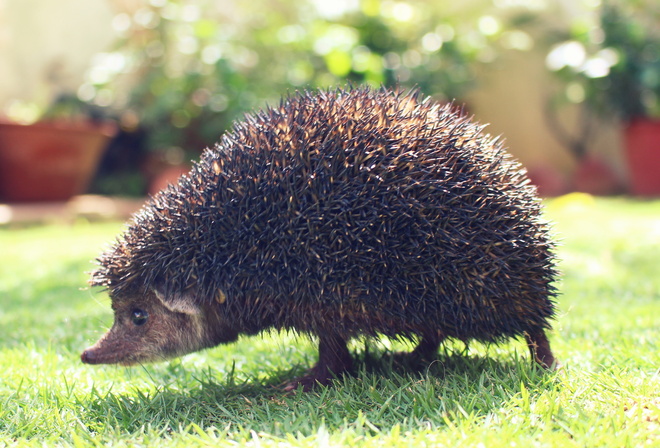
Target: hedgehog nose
(88, 357)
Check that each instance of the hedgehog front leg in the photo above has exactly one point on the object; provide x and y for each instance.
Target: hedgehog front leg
(539, 347)
(334, 360)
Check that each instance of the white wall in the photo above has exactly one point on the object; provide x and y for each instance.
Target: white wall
(46, 45)
(512, 96)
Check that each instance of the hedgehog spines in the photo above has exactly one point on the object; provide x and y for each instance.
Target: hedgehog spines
(346, 202)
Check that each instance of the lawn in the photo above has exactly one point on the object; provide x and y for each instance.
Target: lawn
(607, 335)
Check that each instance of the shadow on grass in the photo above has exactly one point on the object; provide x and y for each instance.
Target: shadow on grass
(379, 396)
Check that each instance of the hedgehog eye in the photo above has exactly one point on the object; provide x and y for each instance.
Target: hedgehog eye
(139, 317)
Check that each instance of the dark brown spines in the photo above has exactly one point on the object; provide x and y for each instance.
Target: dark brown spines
(360, 211)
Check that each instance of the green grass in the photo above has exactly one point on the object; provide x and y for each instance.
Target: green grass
(606, 335)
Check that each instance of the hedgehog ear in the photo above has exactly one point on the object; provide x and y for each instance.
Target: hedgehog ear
(178, 302)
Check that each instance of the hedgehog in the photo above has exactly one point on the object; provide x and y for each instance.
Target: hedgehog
(354, 212)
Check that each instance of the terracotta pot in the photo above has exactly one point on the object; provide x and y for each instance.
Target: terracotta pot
(166, 176)
(549, 181)
(595, 177)
(642, 137)
(49, 161)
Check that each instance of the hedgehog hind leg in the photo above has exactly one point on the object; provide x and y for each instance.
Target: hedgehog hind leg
(539, 348)
(427, 347)
(334, 360)
(423, 354)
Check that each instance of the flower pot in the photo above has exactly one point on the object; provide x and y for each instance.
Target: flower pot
(549, 181)
(49, 161)
(642, 137)
(595, 177)
(169, 175)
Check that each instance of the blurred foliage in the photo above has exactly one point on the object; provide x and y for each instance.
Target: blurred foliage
(610, 61)
(185, 69)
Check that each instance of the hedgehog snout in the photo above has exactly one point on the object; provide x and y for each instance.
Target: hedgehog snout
(88, 356)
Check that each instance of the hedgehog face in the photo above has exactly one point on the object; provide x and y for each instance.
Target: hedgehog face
(150, 327)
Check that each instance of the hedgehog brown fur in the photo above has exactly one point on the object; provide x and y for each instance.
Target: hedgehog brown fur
(346, 213)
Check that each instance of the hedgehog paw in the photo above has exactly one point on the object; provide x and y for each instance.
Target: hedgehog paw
(308, 382)
(539, 348)
(319, 375)
(425, 353)
(334, 360)
(412, 360)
